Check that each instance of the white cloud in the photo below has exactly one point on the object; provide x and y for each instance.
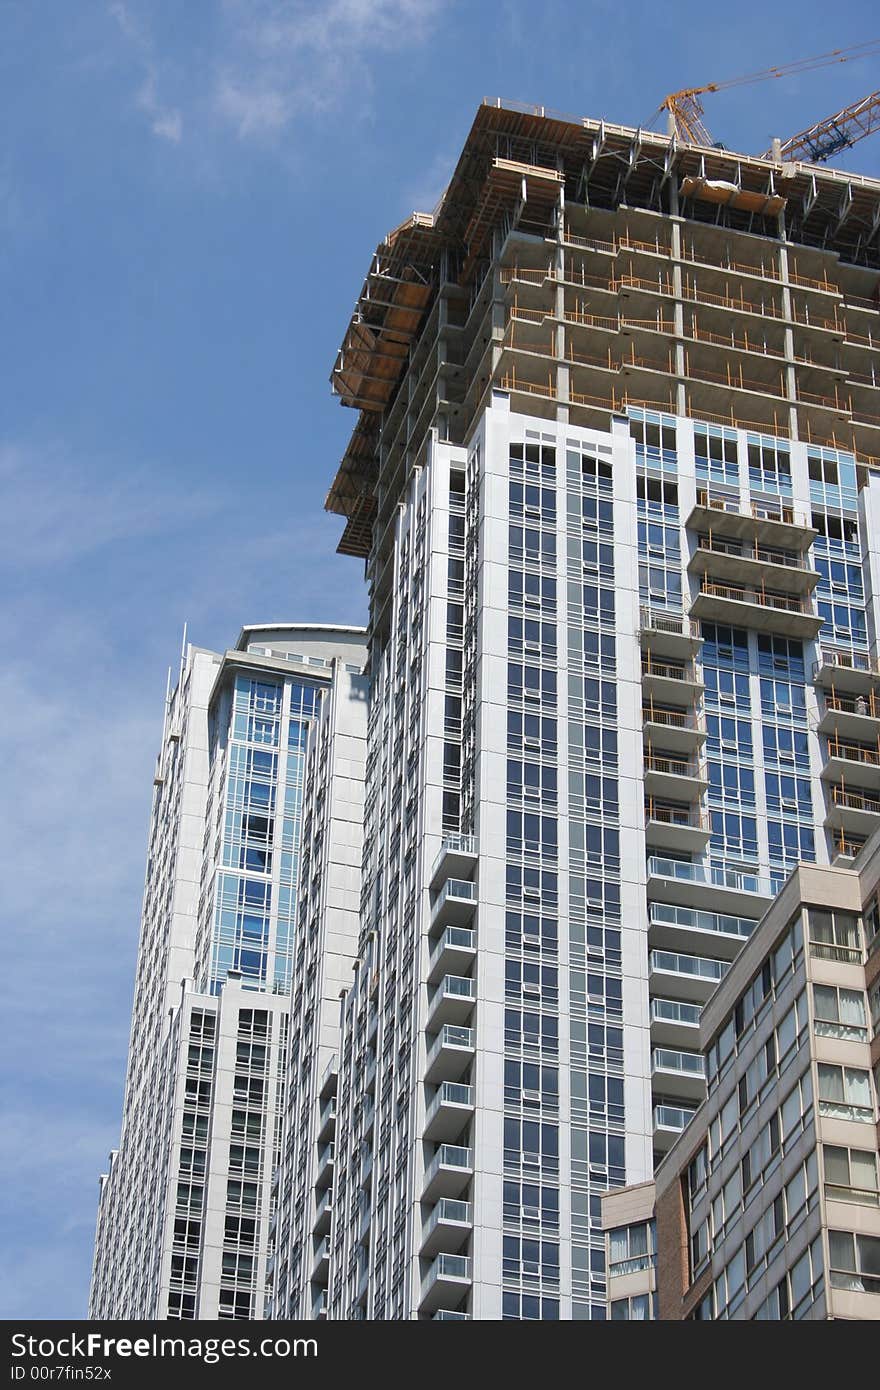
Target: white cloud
(165, 121)
(262, 64)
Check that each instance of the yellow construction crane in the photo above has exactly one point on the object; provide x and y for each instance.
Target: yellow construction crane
(820, 142)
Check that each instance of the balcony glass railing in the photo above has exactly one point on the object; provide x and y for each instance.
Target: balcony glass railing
(712, 875)
(449, 1156)
(454, 936)
(454, 1093)
(669, 1059)
(449, 1267)
(455, 844)
(672, 1116)
(458, 889)
(724, 922)
(673, 1011)
(697, 966)
(451, 1035)
(448, 1209)
(461, 986)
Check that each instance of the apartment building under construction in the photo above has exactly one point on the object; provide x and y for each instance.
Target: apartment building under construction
(613, 478)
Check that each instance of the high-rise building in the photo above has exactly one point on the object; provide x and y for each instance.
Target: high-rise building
(613, 479)
(185, 1207)
(768, 1205)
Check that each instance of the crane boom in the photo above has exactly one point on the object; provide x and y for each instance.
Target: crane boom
(826, 138)
(685, 109)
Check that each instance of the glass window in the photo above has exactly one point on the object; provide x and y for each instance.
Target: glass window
(845, 1092)
(850, 1174)
(855, 1262)
(840, 1013)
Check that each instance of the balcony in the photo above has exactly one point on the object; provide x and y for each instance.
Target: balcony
(690, 929)
(668, 635)
(321, 1263)
(679, 730)
(763, 609)
(450, 1001)
(447, 1281)
(722, 890)
(853, 812)
(756, 566)
(846, 847)
(327, 1120)
(457, 858)
(450, 1111)
(454, 905)
(692, 978)
(669, 1121)
(675, 1023)
(676, 826)
(326, 1159)
(329, 1078)
(323, 1212)
(854, 762)
(449, 1173)
(842, 669)
(682, 779)
(449, 1315)
(450, 1054)
(851, 717)
(681, 1074)
(448, 1226)
(453, 952)
(775, 526)
(319, 1307)
(671, 682)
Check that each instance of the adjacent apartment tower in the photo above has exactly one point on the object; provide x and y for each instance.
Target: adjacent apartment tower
(618, 412)
(185, 1207)
(768, 1205)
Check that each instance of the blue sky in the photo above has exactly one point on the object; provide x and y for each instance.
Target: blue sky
(189, 196)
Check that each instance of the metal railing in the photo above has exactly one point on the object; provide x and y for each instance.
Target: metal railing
(853, 752)
(867, 706)
(855, 799)
(688, 672)
(657, 620)
(674, 767)
(762, 554)
(763, 597)
(847, 660)
(668, 814)
(758, 511)
(670, 718)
